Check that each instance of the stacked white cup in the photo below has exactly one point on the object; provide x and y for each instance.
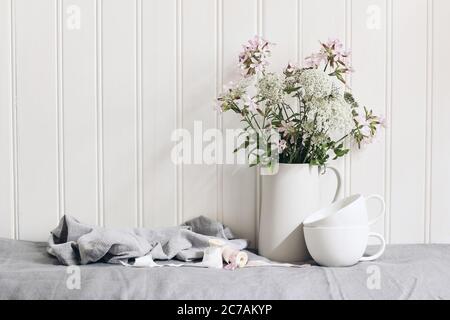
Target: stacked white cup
(337, 235)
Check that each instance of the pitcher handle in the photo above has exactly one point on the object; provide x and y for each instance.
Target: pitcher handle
(339, 182)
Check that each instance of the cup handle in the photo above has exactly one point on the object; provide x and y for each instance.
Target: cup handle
(380, 252)
(383, 207)
(339, 182)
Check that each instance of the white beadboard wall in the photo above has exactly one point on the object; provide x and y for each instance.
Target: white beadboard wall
(87, 111)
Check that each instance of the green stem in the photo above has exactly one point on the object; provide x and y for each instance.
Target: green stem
(326, 66)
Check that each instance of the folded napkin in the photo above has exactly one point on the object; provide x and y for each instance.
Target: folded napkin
(73, 242)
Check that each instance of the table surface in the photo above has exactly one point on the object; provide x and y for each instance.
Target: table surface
(403, 272)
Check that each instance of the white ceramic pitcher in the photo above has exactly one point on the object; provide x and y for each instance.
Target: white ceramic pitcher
(287, 198)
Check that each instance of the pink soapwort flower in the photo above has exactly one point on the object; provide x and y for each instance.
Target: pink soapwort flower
(231, 97)
(286, 128)
(366, 131)
(292, 140)
(337, 47)
(290, 68)
(218, 106)
(364, 123)
(334, 42)
(367, 140)
(229, 86)
(253, 58)
(315, 59)
(253, 43)
(344, 55)
(349, 69)
(368, 126)
(361, 119)
(336, 56)
(281, 145)
(383, 121)
(370, 131)
(250, 103)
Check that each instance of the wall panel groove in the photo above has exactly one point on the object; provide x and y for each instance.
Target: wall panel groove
(219, 87)
(429, 123)
(179, 106)
(348, 45)
(14, 123)
(259, 12)
(388, 149)
(139, 120)
(60, 105)
(99, 111)
(7, 194)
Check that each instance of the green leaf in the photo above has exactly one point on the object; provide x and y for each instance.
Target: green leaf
(243, 145)
(349, 98)
(260, 112)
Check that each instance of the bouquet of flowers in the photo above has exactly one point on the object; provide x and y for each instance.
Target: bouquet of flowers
(310, 106)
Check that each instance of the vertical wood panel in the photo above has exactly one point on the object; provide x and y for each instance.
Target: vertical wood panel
(440, 205)
(37, 117)
(408, 120)
(79, 100)
(324, 19)
(280, 24)
(369, 83)
(119, 112)
(199, 78)
(239, 189)
(280, 27)
(159, 106)
(6, 123)
(179, 104)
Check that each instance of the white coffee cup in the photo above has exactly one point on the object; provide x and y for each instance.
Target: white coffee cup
(340, 246)
(351, 211)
